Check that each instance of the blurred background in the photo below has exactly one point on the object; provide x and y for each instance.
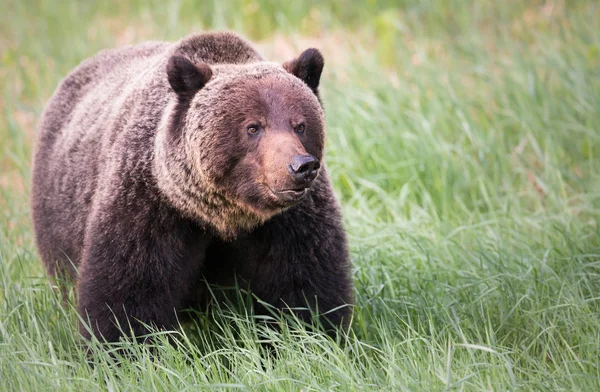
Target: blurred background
(463, 143)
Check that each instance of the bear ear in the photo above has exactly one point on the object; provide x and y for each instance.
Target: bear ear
(186, 77)
(308, 67)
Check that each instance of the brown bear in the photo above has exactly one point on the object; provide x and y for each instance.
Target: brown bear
(162, 167)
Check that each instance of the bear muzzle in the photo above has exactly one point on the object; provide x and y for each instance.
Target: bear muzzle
(302, 171)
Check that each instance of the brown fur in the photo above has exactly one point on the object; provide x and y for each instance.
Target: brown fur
(149, 177)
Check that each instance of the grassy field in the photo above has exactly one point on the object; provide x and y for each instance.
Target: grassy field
(464, 144)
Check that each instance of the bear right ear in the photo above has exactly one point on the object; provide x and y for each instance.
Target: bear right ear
(186, 77)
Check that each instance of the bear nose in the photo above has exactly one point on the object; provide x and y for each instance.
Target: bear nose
(304, 168)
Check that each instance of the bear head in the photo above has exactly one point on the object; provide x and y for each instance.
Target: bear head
(240, 143)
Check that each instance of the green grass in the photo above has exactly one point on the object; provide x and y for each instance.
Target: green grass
(464, 144)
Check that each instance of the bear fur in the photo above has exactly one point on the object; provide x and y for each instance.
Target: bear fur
(161, 167)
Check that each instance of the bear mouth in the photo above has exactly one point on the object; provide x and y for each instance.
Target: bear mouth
(293, 192)
(288, 197)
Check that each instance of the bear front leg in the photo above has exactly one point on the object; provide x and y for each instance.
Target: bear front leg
(316, 282)
(297, 261)
(119, 303)
(310, 276)
(309, 262)
(136, 272)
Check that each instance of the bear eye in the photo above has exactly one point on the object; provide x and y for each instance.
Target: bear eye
(252, 129)
(300, 128)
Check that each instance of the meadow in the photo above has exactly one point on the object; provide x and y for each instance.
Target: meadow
(464, 146)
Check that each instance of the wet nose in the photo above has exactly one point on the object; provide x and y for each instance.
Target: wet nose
(304, 168)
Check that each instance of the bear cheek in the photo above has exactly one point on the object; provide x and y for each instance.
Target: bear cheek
(246, 179)
(220, 153)
(278, 177)
(273, 168)
(255, 180)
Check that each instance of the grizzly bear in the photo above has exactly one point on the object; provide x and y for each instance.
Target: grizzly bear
(163, 167)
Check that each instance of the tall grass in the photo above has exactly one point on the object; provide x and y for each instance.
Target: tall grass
(464, 144)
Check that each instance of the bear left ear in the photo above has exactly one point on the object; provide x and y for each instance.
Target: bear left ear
(308, 67)
(185, 77)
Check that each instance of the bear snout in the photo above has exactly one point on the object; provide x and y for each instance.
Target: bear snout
(304, 169)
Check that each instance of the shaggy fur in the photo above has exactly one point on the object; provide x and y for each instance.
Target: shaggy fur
(162, 166)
